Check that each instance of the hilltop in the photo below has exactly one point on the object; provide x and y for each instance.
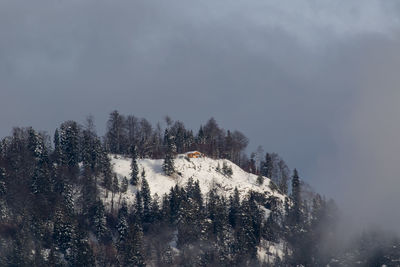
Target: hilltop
(206, 170)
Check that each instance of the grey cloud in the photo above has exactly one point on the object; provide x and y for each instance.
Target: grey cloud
(296, 77)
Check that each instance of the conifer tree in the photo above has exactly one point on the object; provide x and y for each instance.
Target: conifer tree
(168, 164)
(114, 190)
(138, 206)
(122, 227)
(57, 147)
(267, 166)
(82, 254)
(260, 179)
(146, 197)
(296, 198)
(3, 188)
(134, 246)
(134, 167)
(69, 140)
(99, 220)
(63, 231)
(234, 208)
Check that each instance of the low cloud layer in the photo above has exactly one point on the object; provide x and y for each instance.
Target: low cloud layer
(314, 81)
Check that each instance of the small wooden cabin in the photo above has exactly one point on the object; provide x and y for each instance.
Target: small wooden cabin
(195, 155)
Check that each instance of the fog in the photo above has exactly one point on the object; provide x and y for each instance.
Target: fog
(314, 81)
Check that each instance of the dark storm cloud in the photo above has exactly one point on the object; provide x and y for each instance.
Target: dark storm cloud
(296, 77)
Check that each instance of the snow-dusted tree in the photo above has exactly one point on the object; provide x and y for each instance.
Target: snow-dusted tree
(227, 170)
(114, 190)
(146, 197)
(63, 231)
(82, 254)
(3, 188)
(138, 208)
(234, 208)
(99, 220)
(3, 192)
(122, 226)
(296, 198)
(134, 246)
(134, 166)
(69, 140)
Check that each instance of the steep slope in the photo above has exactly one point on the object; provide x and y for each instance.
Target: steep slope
(206, 170)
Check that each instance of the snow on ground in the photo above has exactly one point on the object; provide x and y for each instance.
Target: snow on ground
(268, 251)
(203, 169)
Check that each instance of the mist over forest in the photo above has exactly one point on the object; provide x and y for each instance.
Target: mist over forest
(258, 88)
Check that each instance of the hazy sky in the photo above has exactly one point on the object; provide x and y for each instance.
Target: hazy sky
(316, 81)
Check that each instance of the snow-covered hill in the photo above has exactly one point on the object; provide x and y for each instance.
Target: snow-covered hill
(210, 176)
(206, 170)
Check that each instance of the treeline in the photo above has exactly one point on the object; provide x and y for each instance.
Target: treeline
(52, 213)
(125, 132)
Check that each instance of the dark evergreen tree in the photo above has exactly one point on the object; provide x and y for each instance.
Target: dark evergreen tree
(234, 208)
(138, 212)
(3, 188)
(146, 197)
(63, 231)
(122, 227)
(267, 166)
(57, 147)
(99, 220)
(82, 254)
(260, 179)
(116, 136)
(69, 140)
(296, 197)
(114, 190)
(134, 167)
(284, 176)
(133, 250)
(168, 164)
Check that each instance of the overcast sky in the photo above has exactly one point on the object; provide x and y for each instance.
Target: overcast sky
(316, 81)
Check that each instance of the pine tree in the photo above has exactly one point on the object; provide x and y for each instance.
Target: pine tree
(57, 147)
(145, 192)
(82, 254)
(296, 197)
(234, 208)
(3, 192)
(3, 188)
(106, 171)
(260, 179)
(63, 231)
(134, 167)
(68, 199)
(99, 220)
(227, 170)
(114, 190)
(168, 164)
(69, 140)
(138, 206)
(134, 246)
(122, 227)
(189, 222)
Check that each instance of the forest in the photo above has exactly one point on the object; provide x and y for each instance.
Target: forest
(52, 212)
